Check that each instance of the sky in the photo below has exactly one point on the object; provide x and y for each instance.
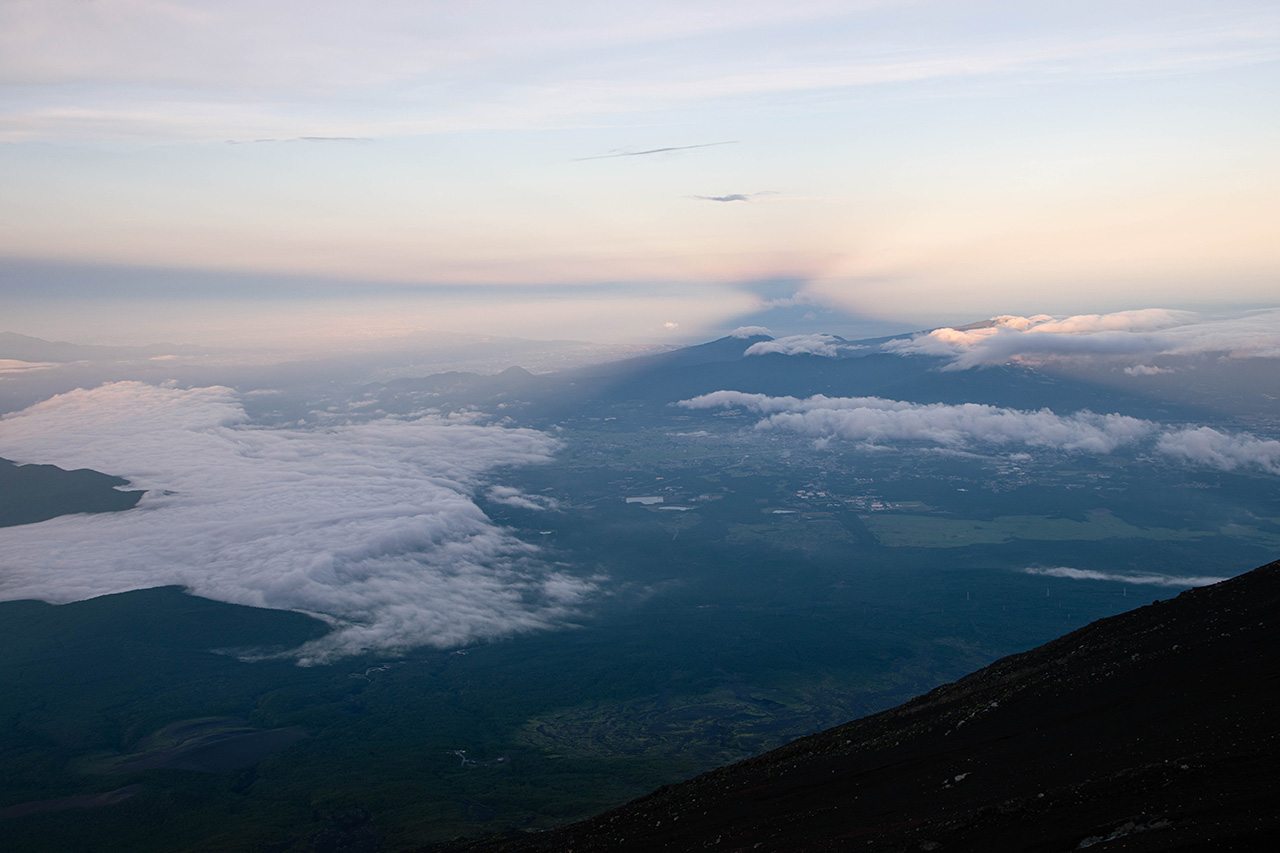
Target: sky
(235, 172)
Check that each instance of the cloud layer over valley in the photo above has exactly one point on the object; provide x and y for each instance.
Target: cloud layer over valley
(371, 524)
(876, 421)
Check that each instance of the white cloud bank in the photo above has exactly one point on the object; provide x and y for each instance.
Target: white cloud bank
(1136, 334)
(827, 346)
(1148, 580)
(874, 420)
(1208, 446)
(371, 524)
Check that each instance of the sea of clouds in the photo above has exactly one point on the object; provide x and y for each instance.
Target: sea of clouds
(371, 525)
(874, 420)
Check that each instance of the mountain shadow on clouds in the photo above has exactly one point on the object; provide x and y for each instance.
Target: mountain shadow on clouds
(32, 493)
(641, 390)
(1151, 730)
(786, 309)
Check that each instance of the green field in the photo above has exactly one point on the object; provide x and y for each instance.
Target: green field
(896, 530)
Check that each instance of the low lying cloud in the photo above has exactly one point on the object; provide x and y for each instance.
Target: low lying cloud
(751, 332)
(1208, 446)
(874, 420)
(1138, 335)
(372, 524)
(827, 346)
(14, 366)
(1147, 370)
(1145, 579)
(514, 497)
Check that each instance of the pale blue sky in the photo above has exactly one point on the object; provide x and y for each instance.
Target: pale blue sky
(911, 162)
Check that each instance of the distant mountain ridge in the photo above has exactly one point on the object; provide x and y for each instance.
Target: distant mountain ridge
(646, 385)
(26, 348)
(32, 493)
(1151, 730)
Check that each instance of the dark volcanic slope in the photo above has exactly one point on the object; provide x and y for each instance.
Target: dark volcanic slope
(31, 493)
(1152, 730)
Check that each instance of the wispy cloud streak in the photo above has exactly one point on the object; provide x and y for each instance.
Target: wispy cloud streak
(360, 139)
(1146, 580)
(659, 151)
(160, 68)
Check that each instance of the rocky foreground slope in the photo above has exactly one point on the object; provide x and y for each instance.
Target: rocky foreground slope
(1152, 730)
